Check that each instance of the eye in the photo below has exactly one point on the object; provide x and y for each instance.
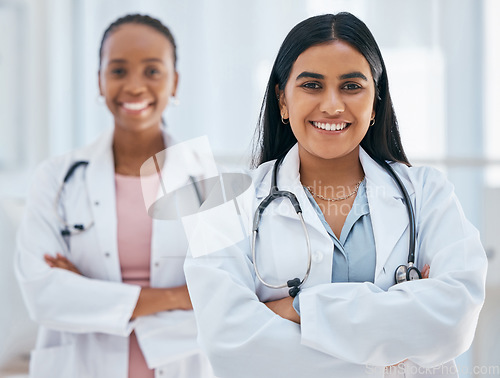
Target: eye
(152, 71)
(311, 85)
(352, 86)
(118, 71)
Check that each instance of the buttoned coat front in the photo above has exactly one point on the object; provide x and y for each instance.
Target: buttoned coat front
(85, 319)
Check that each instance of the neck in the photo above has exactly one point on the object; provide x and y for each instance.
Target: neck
(339, 172)
(132, 148)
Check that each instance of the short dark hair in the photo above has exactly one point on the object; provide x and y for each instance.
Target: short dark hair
(273, 140)
(142, 20)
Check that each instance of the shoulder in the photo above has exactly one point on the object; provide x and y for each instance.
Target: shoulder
(431, 189)
(56, 167)
(261, 177)
(424, 179)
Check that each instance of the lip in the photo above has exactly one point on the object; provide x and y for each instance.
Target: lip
(330, 126)
(135, 107)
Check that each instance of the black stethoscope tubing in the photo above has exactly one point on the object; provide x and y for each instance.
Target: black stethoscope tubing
(70, 230)
(403, 272)
(275, 193)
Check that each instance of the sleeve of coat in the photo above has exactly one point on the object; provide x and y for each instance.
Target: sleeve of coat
(429, 321)
(57, 298)
(241, 336)
(167, 336)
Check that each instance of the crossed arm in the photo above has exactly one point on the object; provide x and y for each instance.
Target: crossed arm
(284, 307)
(151, 300)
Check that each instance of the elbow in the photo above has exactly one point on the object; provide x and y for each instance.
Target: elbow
(448, 340)
(222, 357)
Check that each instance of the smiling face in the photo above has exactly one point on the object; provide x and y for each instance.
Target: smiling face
(329, 100)
(137, 76)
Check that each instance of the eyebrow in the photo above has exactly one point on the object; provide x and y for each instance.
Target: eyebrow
(153, 60)
(310, 74)
(353, 75)
(350, 75)
(144, 60)
(117, 61)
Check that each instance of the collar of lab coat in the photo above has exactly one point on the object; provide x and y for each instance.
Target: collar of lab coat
(100, 182)
(387, 207)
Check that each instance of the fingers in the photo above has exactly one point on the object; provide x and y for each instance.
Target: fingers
(425, 271)
(60, 261)
(51, 261)
(56, 262)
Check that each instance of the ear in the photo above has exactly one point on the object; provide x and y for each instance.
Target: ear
(280, 94)
(176, 82)
(373, 114)
(99, 82)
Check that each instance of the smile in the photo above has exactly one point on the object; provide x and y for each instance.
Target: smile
(135, 106)
(330, 126)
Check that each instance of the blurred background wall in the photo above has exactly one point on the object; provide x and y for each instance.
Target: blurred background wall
(442, 58)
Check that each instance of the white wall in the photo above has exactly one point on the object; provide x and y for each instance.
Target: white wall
(442, 57)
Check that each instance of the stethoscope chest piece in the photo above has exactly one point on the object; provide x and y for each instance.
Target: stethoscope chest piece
(407, 273)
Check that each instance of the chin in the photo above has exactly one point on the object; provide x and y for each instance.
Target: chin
(330, 152)
(137, 126)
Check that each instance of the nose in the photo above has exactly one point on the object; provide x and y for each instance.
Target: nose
(332, 102)
(134, 85)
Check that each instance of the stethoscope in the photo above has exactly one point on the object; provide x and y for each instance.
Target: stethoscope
(403, 272)
(73, 229)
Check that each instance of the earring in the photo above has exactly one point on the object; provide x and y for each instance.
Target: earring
(100, 99)
(372, 121)
(283, 121)
(175, 101)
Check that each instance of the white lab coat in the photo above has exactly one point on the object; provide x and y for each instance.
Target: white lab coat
(347, 329)
(84, 320)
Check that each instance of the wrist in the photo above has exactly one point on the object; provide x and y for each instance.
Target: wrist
(171, 299)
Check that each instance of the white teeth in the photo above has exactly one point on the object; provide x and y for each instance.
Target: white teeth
(330, 126)
(135, 105)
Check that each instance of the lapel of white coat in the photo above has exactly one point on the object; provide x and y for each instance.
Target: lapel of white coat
(102, 196)
(289, 180)
(182, 162)
(387, 209)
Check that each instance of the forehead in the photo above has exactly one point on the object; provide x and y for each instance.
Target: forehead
(130, 40)
(331, 60)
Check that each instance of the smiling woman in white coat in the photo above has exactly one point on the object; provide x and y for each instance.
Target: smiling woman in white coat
(103, 279)
(329, 134)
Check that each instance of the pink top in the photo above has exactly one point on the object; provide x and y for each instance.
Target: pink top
(134, 249)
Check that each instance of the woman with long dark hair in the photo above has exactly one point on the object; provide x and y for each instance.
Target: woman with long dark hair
(331, 285)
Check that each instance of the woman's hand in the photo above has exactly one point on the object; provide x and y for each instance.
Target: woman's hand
(425, 274)
(425, 271)
(60, 262)
(178, 298)
(284, 308)
(153, 300)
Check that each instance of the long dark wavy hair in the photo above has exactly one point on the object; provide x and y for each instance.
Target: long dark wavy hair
(273, 139)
